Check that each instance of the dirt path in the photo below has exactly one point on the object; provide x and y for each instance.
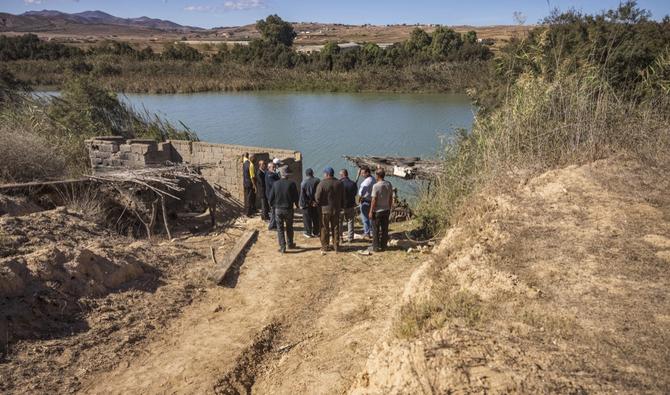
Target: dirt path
(298, 322)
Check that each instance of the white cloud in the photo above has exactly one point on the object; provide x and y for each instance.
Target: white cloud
(243, 4)
(228, 5)
(199, 8)
(32, 1)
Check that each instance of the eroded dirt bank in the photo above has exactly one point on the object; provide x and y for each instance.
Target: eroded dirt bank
(555, 284)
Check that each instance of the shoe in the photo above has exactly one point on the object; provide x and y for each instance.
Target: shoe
(323, 252)
(307, 236)
(282, 250)
(292, 246)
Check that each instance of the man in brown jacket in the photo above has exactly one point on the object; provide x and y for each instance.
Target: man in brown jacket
(330, 197)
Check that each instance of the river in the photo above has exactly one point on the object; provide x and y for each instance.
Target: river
(323, 126)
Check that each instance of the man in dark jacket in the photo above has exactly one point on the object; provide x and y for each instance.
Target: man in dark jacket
(310, 209)
(270, 178)
(284, 196)
(265, 207)
(349, 204)
(249, 181)
(329, 196)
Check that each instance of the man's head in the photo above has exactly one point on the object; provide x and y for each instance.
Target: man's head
(252, 158)
(365, 171)
(344, 173)
(328, 172)
(246, 155)
(380, 173)
(284, 172)
(309, 172)
(276, 161)
(262, 165)
(271, 166)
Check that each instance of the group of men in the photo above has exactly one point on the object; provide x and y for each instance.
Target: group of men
(327, 205)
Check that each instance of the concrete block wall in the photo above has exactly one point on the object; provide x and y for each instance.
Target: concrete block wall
(223, 161)
(114, 152)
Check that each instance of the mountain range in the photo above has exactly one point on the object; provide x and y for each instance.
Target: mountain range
(49, 20)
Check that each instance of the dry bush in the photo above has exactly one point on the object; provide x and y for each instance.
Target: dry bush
(446, 303)
(85, 200)
(27, 156)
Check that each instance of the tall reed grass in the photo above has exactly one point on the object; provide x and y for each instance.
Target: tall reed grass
(572, 119)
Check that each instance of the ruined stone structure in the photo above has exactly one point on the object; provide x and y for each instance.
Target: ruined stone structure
(221, 164)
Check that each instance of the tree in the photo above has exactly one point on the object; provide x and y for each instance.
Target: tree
(445, 41)
(276, 31)
(418, 40)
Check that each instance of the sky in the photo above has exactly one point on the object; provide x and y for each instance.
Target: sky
(210, 13)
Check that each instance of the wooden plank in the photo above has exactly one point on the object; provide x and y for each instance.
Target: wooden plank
(231, 257)
(22, 187)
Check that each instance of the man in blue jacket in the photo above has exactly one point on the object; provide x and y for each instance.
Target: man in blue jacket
(271, 177)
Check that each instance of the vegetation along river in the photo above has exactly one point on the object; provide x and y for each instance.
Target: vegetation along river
(323, 126)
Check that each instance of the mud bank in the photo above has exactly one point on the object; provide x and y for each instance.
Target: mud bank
(556, 284)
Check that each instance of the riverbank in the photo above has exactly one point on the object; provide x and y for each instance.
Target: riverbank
(190, 77)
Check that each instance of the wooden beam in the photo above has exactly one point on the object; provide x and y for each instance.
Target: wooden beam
(220, 271)
(28, 186)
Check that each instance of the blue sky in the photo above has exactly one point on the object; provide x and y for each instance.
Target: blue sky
(208, 13)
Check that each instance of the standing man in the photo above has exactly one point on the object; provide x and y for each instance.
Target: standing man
(329, 195)
(365, 198)
(380, 211)
(249, 177)
(308, 204)
(270, 178)
(262, 170)
(284, 196)
(349, 205)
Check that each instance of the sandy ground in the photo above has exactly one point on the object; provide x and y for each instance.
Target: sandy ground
(298, 322)
(555, 284)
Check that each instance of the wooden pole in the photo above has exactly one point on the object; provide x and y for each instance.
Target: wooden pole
(165, 220)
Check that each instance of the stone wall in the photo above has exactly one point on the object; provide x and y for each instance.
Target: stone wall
(222, 162)
(113, 152)
(225, 161)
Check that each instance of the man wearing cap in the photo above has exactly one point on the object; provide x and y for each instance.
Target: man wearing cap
(330, 196)
(249, 177)
(283, 198)
(308, 204)
(271, 177)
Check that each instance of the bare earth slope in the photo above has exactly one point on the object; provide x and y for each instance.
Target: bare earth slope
(558, 284)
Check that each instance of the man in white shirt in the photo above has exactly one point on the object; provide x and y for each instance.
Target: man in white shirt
(365, 199)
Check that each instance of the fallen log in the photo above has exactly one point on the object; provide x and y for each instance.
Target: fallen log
(220, 271)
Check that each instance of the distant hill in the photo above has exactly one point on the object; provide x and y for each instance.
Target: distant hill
(56, 21)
